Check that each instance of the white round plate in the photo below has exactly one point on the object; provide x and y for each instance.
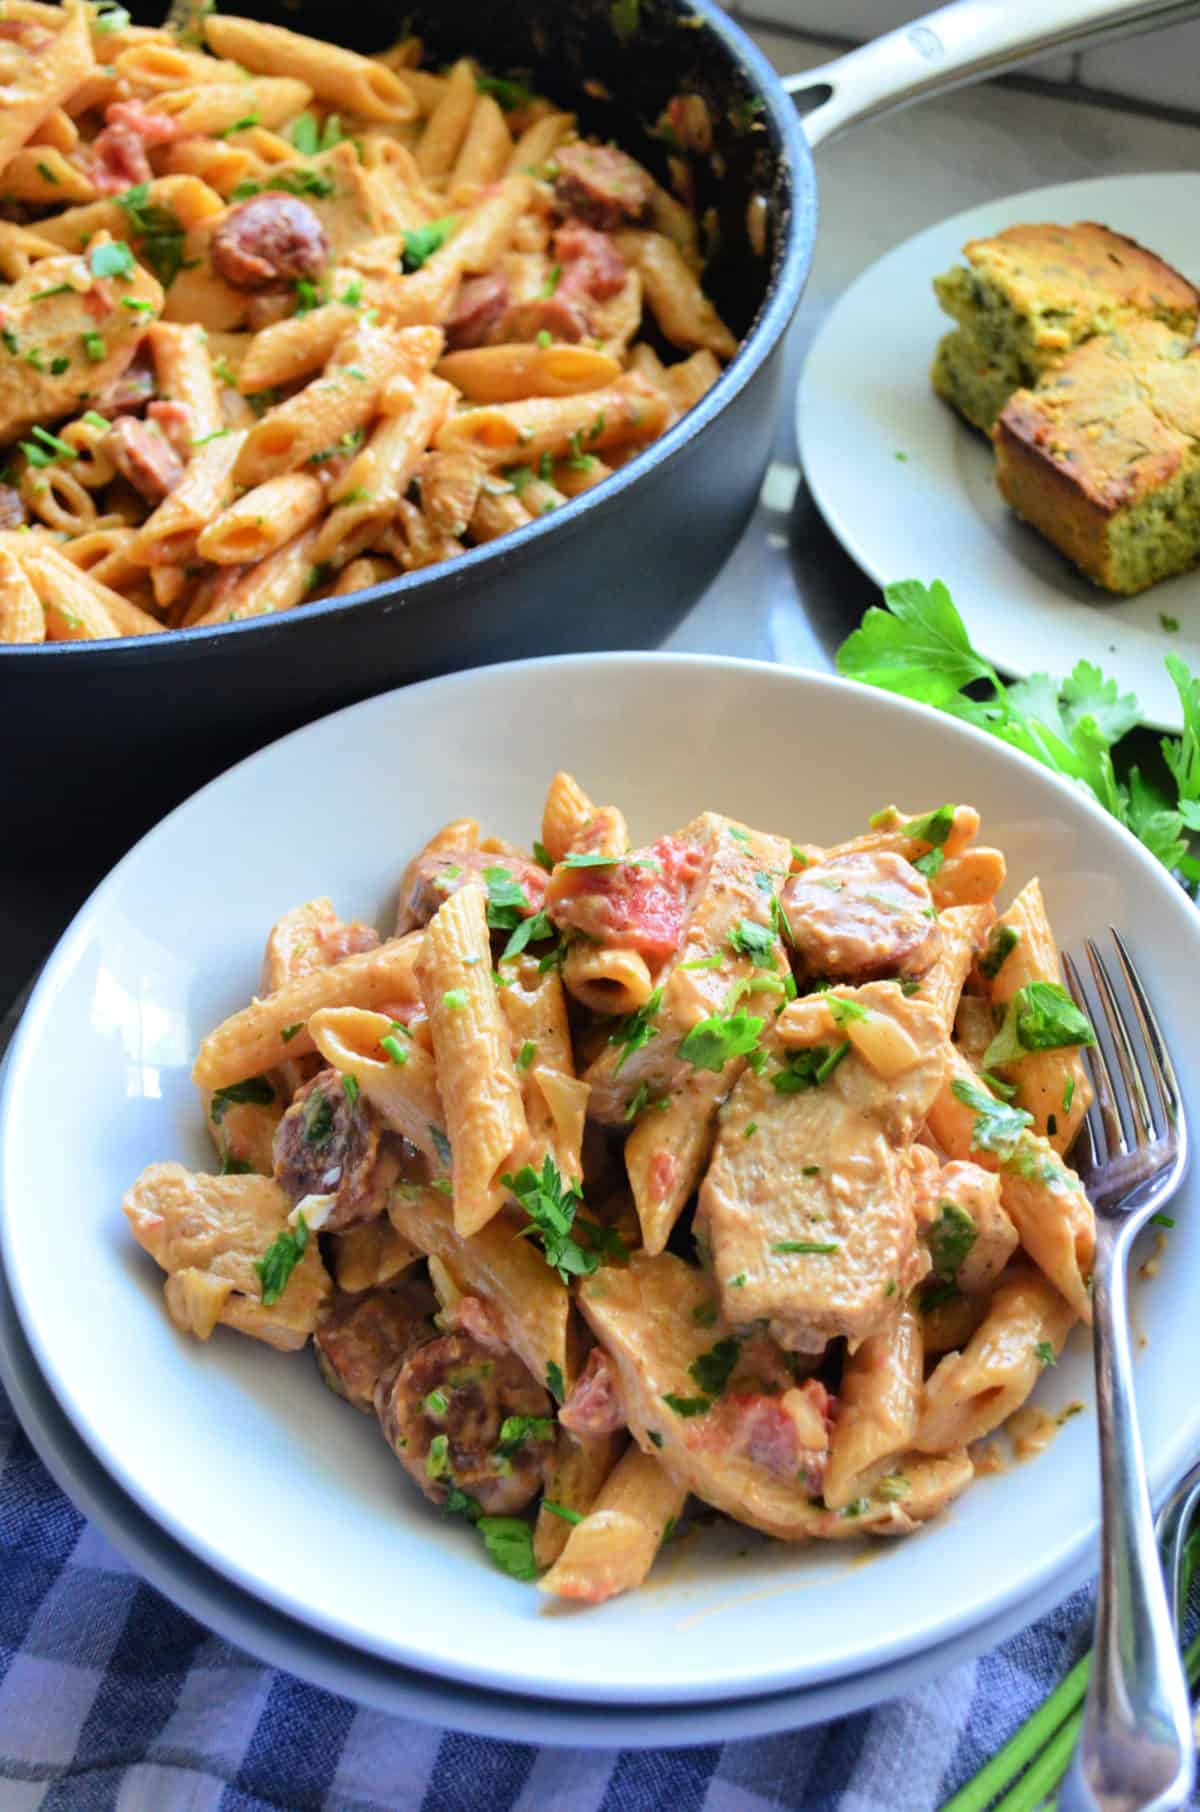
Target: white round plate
(243, 1455)
(908, 488)
(284, 1642)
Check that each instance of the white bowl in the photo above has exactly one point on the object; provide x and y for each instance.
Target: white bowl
(242, 1454)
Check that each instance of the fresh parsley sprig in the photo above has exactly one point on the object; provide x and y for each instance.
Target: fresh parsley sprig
(552, 1203)
(1041, 1016)
(919, 647)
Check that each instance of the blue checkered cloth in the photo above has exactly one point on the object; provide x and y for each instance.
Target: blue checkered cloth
(112, 1700)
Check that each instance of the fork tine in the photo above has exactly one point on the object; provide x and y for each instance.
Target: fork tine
(1095, 1155)
(1135, 1092)
(1161, 1066)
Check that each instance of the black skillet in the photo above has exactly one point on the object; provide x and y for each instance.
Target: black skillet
(95, 742)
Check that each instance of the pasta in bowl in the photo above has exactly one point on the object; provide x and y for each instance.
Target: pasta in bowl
(727, 1168)
(282, 321)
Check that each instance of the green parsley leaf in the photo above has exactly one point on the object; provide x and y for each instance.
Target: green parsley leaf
(109, 17)
(255, 1090)
(1000, 946)
(568, 1515)
(507, 903)
(512, 96)
(554, 1381)
(350, 1085)
(635, 1030)
(1045, 1353)
(509, 1541)
(844, 1010)
(243, 125)
(951, 1238)
(420, 243)
(998, 1127)
(1161, 1220)
(705, 1315)
(820, 1248)
(541, 856)
(95, 348)
(715, 1041)
(526, 1054)
(441, 1143)
(552, 280)
(755, 941)
(288, 182)
(437, 1460)
(1041, 1016)
(713, 1370)
(461, 1503)
(1068, 1094)
(436, 1404)
(551, 1202)
(933, 828)
(687, 1406)
(159, 230)
(235, 1167)
(454, 1000)
(280, 1260)
(304, 133)
(892, 1488)
(395, 1050)
(808, 1068)
(532, 930)
(516, 1430)
(317, 1116)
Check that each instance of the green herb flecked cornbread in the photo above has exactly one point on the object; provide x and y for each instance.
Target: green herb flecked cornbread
(1026, 297)
(1103, 456)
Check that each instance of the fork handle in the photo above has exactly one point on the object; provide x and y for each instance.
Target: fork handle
(1136, 1752)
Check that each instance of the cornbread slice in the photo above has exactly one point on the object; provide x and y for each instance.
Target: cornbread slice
(1026, 297)
(1103, 456)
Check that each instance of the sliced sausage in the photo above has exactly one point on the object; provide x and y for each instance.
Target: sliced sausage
(602, 185)
(144, 456)
(861, 916)
(592, 265)
(365, 1339)
(326, 1145)
(267, 241)
(456, 1389)
(478, 307)
(430, 879)
(594, 1405)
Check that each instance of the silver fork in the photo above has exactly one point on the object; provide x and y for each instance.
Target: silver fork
(1136, 1750)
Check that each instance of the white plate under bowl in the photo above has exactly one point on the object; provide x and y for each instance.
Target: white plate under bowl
(241, 1454)
(285, 1642)
(909, 490)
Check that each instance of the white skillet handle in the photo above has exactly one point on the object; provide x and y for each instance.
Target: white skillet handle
(964, 42)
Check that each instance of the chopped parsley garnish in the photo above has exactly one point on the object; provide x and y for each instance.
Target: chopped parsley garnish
(512, 96)
(421, 243)
(998, 1127)
(280, 1260)
(951, 1238)
(554, 1381)
(516, 1430)
(821, 1248)
(95, 348)
(217, 434)
(289, 182)
(461, 1503)
(158, 228)
(1161, 1220)
(755, 941)
(438, 1459)
(552, 280)
(526, 1054)
(441, 1143)
(713, 1370)
(1041, 1016)
(808, 1068)
(255, 1091)
(509, 1541)
(1007, 1091)
(454, 1000)
(395, 1050)
(551, 1201)
(436, 1404)
(113, 260)
(59, 289)
(933, 828)
(687, 1406)
(892, 1488)
(109, 17)
(243, 125)
(844, 1010)
(541, 856)
(349, 443)
(317, 1115)
(10, 339)
(568, 1515)
(655, 1436)
(309, 295)
(749, 1130)
(350, 1085)
(642, 1099)
(530, 931)
(1000, 946)
(705, 1315)
(1045, 1353)
(931, 863)
(235, 1167)
(711, 1044)
(1068, 1094)
(47, 175)
(308, 137)
(635, 1030)
(507, 901)
(736, 1283)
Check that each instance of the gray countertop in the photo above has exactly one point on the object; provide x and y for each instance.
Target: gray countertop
(788, 592)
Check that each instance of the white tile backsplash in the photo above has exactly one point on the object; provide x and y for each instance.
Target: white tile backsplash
(1160, 66)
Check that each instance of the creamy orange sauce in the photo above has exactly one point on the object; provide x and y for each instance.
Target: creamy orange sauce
(1031, 1431)
(987, 1459)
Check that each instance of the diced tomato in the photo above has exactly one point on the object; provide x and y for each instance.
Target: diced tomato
(640, 903)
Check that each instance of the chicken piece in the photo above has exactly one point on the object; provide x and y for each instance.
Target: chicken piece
(861, 915)
(810, 1217)
(334, 1149)
(444, 1414)
(207, 1233)
(969, 1235)
(364, 1340)
(724, 907)
(718, 1408)
(601, 185)
(69, 331)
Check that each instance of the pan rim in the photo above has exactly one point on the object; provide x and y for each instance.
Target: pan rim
(785, 285)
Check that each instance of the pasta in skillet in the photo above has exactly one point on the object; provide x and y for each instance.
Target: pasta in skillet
(764, 1204)
(279, 321)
